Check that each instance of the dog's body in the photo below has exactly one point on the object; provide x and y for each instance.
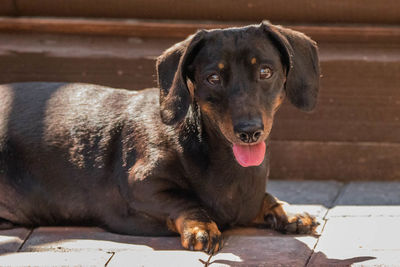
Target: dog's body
(85, 154)
(82, 161)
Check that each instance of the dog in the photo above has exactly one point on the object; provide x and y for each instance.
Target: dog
(190, 157)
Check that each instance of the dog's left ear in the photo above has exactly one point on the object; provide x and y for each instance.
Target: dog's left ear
(172, 73)
(300, 55)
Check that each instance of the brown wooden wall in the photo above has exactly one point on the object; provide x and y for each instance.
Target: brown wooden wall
(278, 11)
(354, 134)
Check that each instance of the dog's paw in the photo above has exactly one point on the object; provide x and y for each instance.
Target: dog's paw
(292, 224)
(301, 224)
(201, 236)
(275, 214)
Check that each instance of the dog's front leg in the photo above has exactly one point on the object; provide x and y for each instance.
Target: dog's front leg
(165, 212)
(197, 230)
(274, 215)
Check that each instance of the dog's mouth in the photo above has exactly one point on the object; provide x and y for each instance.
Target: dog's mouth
(246, 154)
(249, 155)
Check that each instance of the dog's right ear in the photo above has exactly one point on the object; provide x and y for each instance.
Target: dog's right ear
(172, 68)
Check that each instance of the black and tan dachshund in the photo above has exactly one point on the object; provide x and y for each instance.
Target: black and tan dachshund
(190, 157)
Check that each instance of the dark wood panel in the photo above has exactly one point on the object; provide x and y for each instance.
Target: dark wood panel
(311, 11)
(7, 8)
(134, 74)
(335, 161)
(168, 29)
(359, 101)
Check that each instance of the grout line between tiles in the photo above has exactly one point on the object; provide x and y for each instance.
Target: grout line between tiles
(207, 263)
(26, 239)
(340, 193)
(112, 255)
(315, 245)
(342, 190)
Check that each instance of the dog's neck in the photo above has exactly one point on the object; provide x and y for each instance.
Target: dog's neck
(205, 129)
(202, 141)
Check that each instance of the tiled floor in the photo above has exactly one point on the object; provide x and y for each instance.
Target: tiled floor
(360, 226)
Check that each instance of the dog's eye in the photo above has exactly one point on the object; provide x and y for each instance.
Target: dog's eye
(213, 79)
(265, 72)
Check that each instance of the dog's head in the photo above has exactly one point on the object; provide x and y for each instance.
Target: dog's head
(239, 78)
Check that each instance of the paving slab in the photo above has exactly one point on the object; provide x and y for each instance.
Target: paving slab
(367, 199)
(129, 250)
(64, 239)
(11, 240)
(158, 258)
(370, 193)
(305, 192)
(51, 258)
(364, 211)
(250, 246)
(358, 241)
(252, 250)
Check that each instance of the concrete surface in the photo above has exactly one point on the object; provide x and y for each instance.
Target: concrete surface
(359, 227)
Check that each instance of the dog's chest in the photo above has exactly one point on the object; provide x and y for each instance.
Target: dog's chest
(234, 197)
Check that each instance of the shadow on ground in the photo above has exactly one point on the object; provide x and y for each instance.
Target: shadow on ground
(246, 246)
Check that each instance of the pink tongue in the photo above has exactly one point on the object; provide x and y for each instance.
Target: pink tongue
(249, 155)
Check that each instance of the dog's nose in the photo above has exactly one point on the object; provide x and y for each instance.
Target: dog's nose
(250, 131)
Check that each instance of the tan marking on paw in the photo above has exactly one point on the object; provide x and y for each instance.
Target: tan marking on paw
(199, 236)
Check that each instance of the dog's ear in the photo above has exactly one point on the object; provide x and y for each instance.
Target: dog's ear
(172, 72)
(300, 56)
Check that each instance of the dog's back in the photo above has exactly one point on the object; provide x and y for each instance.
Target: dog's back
(59, 142)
